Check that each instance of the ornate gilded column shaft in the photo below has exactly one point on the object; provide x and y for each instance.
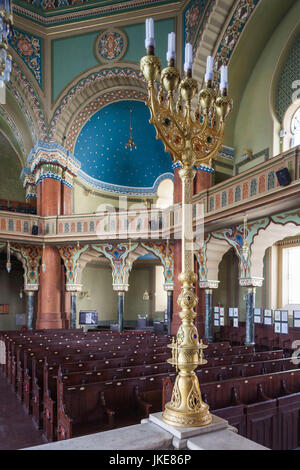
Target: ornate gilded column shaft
(186, 407)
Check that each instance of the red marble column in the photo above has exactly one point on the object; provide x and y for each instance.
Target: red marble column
(49, 312)
(202, 182)
(49, 197)
(66, 200)
(177, 187)
(50, 306)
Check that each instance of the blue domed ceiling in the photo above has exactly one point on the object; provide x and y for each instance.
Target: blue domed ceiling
(100, 147)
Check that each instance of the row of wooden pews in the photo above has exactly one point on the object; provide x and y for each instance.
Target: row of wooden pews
(75, 383)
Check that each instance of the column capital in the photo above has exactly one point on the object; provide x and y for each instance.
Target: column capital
(51, 160)
(74, 288)
(31, 287)
(251, 282)
(209, 284)
(29, 185)
(169, 287)
(121, 287)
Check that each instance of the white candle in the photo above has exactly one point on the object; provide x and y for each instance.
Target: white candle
(171, 54)
(188, 59)
(149, 41)
(209, 68)
(224, 77)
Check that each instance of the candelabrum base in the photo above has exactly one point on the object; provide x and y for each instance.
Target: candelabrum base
(186, 408)
(187, 419)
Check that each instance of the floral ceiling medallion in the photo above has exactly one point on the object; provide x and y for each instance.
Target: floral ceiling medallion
(110, 45)
(29, 48)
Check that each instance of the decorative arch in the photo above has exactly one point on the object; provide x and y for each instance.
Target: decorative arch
(219, 40)
(287, 121)
(15, 133)
(70, 255)
(30, 257)
(29, 101)
(118, 255)
(214, 252)
(87, 87)
(285, 89)
(219, 242)
(104, 99)
(165, 252)
(281, 226)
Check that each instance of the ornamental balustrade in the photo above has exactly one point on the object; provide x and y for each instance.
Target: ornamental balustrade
(147, 224)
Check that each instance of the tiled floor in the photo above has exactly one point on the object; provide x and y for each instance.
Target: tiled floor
(17, 430)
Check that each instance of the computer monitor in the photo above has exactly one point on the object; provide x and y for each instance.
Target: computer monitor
(88, 317)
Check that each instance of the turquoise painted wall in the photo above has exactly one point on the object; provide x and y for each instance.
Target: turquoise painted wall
(70, 57)
(136, 40)
(73, 55)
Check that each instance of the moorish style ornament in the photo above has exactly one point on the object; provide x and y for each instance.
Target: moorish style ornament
(29, 48)
(30, 257)
(110, 45)
(49, 160)
(6, 22)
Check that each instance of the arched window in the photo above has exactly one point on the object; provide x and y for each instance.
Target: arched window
(165, 192)
(291, 126)
(295, 128)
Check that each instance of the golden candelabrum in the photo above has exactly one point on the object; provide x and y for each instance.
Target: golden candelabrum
(193, 138)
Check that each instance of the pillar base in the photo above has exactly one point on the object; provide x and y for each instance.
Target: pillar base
(53, 322)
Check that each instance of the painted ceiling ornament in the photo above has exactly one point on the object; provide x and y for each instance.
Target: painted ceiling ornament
(195, 16)
(29, 48)
(240, 17)
(110, 45)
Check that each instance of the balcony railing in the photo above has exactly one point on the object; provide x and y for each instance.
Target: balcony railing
(257, 186)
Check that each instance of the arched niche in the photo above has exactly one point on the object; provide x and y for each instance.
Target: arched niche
(265, 239)
(288, 119)
(216, 248)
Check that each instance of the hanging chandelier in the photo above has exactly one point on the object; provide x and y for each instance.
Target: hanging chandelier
(6, 22)
(130, 144)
